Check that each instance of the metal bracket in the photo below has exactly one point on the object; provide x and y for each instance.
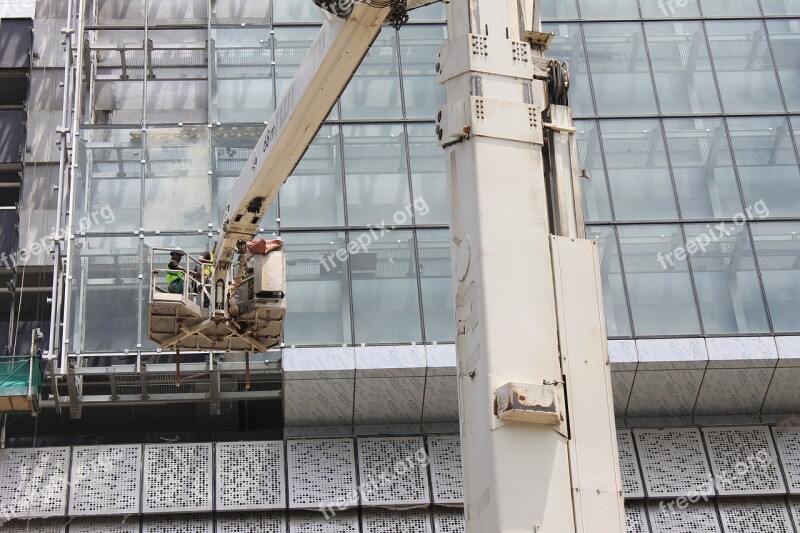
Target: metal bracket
(485, 117)
(534, 404)
(488, 55)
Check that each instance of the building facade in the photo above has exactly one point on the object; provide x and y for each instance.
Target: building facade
(140, 115)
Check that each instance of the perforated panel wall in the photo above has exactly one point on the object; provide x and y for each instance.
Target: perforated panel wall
(698, 517)
(177, 478)
(673, 461)
(311, 522)
(105, 525)
(447, 520)
(794, 508)
(635, 518)
(752, 515)
(321, 472)
(628, 465)
(33, 482)
(250, 475)
(445, 464)
(744, 460)
(34, 526)
(383, 520)
(258, 522)
(393, 471)
(787, 441)
(177, 524)
(105, 480)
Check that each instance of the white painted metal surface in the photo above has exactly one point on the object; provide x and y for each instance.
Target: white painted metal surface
(178, 524)
(250, 476)
(629, 466)
(697, 517)
(754, 515)
(105, 480)
(34, 526)
(744, 460)
(257, 522)
(448, 520)
(447, 475)
(34, 482)
(383, 520)
(128, 524)
(673, 461)
(787, 442)
(177, 478)
(312, 522)
(393, 472)
(636, 518)
(322, 473)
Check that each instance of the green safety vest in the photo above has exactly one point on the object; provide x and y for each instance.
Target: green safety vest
(173, 275)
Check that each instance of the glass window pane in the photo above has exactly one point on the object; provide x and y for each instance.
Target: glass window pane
(703, 168)
(312, 196)
(730, 8)
(178, 12)
(777, 247)
(291, 47)
(294, 11)
(620, 70)
(177, 191)
(657, 275)
(318, 305)
(15, 43)
(781, 7)
(419, 50)
(242, 75)
(618, 322)
(785, 38)
(129, 12)
(559, 10)
(385, 295)
(428, 176)
(728, 288)
(567, 46)
(431, 13)
(239, 11)
(374, 91)
(767, 163)
(669, 8)
(641, 188)
(745, 72)
(437, 285)
(609, 9)
(681, 67)
(596, 206)
(376, 175)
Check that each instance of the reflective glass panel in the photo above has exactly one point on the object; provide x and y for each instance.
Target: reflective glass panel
(419, 50)
(428, 176)
(703, 168)
(669, 8)
(376, 175)
(777, 247)
(291, 47)
(312, 196)
(681, 67)
(620, 70)
(120, 12)
(767, 163)
(745, 72)
(177, 12)
(294, 11)
(242, 85)
(781, 7)
(609, 9)
(618, 322)
(659, 287)
(728, 288)
(730, 8)
(374, 91)
(785, 38)
(431, 13)
(238, 11)
(437, 285)
(559, 10)
(385, 293)
(595, 189)
(641, 188)
(567, 46)
(318, 305)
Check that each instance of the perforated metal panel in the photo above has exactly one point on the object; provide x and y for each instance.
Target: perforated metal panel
(448, 520)
(177, 478)
(105, 525)
(311, 522)
(34, 526)
(383, 520)
(794, 508)
(673, 461)
(787, 441)
(250, 475)
(446, 474)
(635, 518)
(105, 480)
(178, 524)
(393, 471)
(258, 522)
(629, 467)
(754, 515)
(33, 482)
(744, 460)
(322, 473)
(698, 517)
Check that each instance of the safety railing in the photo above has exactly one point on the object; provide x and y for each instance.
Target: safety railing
(191, 279)
(20, 383)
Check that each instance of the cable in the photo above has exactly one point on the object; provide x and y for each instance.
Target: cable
(558, 84)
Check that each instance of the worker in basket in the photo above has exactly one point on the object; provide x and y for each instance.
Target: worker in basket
(207, 262)
(176, 274)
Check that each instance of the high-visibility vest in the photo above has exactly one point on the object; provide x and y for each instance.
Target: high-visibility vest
(173, 275)
(208, 269)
